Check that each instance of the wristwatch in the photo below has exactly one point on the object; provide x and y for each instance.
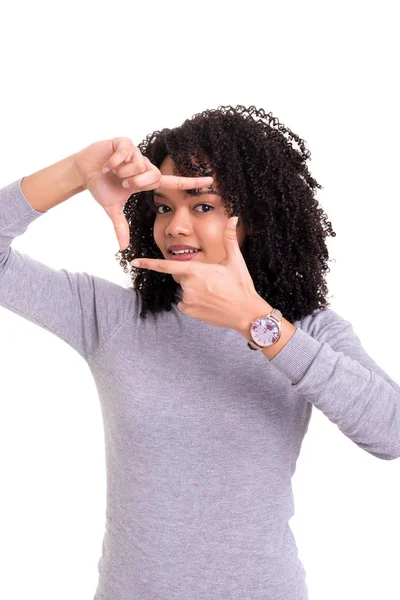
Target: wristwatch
(265, 331)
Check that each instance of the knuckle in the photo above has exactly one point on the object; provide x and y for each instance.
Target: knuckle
(115, 160)
(149, 165)
(122, 140)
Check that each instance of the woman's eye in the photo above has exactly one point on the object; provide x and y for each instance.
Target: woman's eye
(160, 206)
(208, 206)
(164, 206)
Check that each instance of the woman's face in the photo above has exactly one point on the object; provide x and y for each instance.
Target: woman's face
(196, 220)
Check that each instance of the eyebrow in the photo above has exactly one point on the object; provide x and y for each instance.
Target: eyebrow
(160, 195)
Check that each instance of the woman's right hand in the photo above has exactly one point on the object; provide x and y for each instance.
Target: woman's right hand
(125, 163)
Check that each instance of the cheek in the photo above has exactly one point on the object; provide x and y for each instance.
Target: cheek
(214, 244)
(212, 232)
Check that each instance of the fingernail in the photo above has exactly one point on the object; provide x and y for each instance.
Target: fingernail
(125, 184)
(105, 170)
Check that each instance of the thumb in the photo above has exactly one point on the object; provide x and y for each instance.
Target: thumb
(231, 240)
(232, 226)
(121, 225)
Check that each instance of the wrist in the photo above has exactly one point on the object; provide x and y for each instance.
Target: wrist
(257, 308)
(260, 308)
(77, 177)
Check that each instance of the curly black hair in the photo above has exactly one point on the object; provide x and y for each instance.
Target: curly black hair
(262, 177)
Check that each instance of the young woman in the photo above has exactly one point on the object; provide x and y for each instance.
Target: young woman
(209, 366)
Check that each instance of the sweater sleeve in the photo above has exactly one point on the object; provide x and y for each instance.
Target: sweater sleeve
(327, 364)
(81, 309)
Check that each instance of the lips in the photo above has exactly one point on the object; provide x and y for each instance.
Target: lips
(183, 257)
(181, 247)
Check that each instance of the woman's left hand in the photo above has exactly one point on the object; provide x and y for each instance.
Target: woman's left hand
(220, 294)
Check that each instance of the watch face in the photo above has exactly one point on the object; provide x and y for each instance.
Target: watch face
(265, 331)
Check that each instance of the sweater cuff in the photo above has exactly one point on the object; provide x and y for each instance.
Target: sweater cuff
(297, 355)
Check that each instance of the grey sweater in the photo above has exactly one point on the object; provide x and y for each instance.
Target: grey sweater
(201, 434)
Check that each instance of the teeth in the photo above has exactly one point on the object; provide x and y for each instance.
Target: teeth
(183, 251)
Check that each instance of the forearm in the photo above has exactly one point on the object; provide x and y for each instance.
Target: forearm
(51, 186)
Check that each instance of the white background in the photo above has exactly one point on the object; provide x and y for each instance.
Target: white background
(79, 72)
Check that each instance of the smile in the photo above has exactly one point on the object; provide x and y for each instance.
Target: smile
(184, 255)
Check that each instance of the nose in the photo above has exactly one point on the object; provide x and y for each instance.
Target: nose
(178, 222)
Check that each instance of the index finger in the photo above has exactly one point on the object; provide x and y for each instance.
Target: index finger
(175, 182)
